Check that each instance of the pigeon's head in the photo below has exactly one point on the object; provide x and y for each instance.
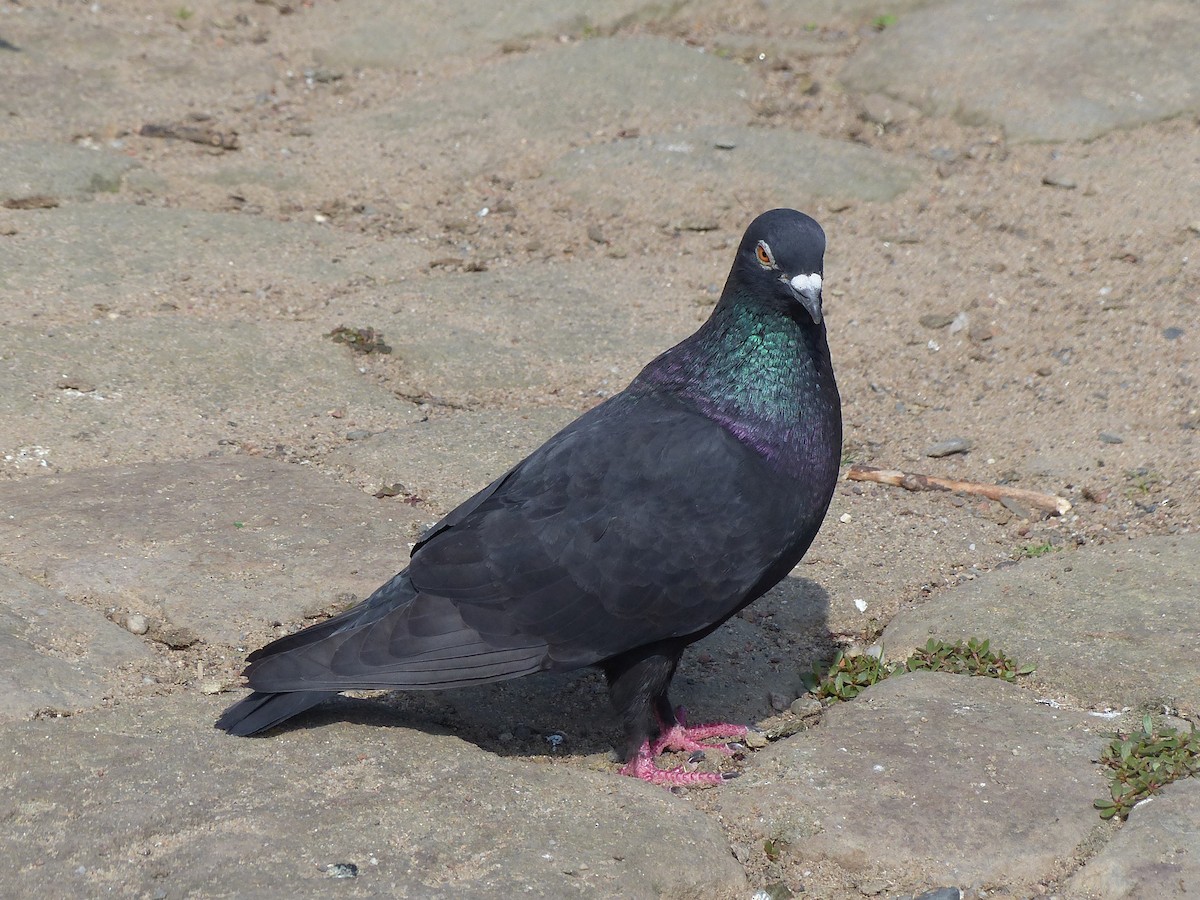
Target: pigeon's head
(781, 260)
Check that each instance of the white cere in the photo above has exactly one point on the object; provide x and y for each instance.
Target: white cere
(811, 282)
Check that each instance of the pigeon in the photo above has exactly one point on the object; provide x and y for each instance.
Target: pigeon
(630, 534)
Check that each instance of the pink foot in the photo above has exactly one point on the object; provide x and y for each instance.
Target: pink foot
(681, 737)
(642, 766)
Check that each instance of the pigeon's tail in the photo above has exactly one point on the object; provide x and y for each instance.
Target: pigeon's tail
(262, 710)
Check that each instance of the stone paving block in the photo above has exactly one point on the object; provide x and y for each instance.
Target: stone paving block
(1043, 70)
(42, 168)
(445, 460)
(141, 259)
(219, 547)
(153, 798)
(714, 168)
(492, 335)
(930, 779)
(120, 391)
(1109, 626)
(427, 33)
(1155, 854)
(56, 654)
(529, 109)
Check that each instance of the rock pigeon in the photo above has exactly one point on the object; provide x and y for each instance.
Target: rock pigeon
(633, 532)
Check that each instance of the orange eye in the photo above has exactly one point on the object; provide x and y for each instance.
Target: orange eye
(764, 255)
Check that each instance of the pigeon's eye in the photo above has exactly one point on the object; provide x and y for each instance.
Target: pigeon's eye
(763, 252)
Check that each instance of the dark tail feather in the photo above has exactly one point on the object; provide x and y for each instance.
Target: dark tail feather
(262, 710)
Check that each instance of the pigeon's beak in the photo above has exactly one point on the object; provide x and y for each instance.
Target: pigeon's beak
(807, 291)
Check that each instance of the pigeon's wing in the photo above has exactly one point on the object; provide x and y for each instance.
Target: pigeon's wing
(643, 522)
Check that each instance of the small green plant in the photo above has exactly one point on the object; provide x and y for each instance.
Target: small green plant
(183, 14)
(1143, 762)
(774, 848)
(1142, 481)
(848, 676)
(887, 20)
(1033, 551)
(972, 658)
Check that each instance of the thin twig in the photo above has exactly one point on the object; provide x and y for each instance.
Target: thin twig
(915, 481)
(197, 134)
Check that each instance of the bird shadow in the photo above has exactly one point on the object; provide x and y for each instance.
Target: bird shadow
(748, 670)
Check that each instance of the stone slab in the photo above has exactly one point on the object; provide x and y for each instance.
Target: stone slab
(447, 459)
(487, 335)
(426, 33)
(57, 654)
(802, 15)
(31, 168)
(130, 258)
(1043, 70)
(526, 110)
(714, 169)
(1109, 626)
(221, 547)
(119, 391)
(930, 779)
(154, 799)
(1155, 854)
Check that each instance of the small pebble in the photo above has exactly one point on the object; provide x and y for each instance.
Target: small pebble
(135, 623)
(342, 870)
(1107, 437)
(755, 740)
(945, 893)
(177, 637)
(860, 604)
(948, 447)
(844, 518)
(981, 332)
(211, 686)
(357, 435)
(1059, 181)
(803, 706)
(1171, 334)
(779, 702)
(937, 320)
(70, 383)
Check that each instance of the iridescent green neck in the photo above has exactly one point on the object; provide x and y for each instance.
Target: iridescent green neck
(762, 374)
